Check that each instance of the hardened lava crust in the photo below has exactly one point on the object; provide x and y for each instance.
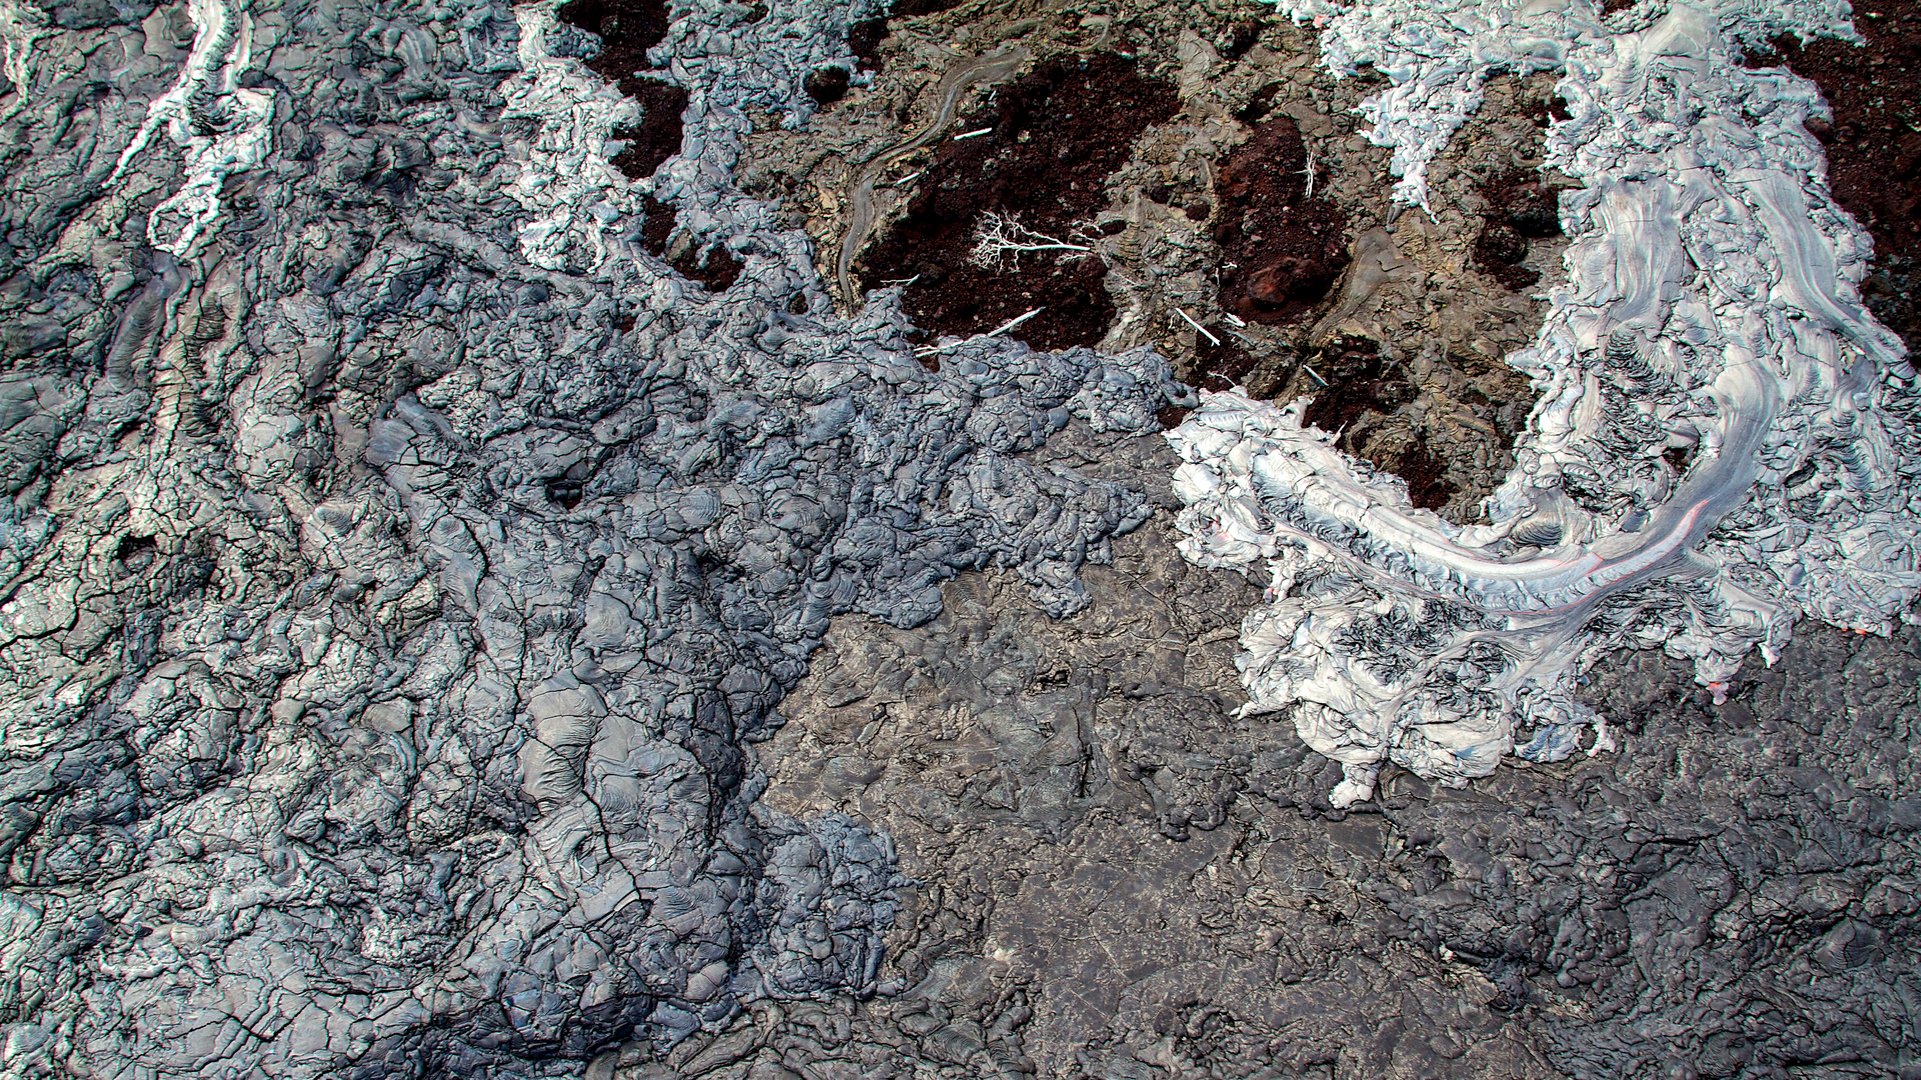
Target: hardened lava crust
(964, 538)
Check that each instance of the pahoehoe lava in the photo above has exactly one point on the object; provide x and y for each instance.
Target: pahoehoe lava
(599, 538)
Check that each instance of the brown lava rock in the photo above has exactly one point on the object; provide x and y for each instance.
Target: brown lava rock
(1281, 249)
(1239, 38)
(1054, 137)
(1874, 147)
(864, 37)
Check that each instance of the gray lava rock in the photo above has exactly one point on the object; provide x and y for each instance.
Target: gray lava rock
(399, 558)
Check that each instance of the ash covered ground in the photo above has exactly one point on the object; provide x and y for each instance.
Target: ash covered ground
(532, 549)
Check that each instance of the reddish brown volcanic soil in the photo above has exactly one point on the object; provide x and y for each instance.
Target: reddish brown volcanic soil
(1054, 137)
(716, 268)
(1359, 382)
(1282, 249)
(1874, 145)
(657, 137)
(627, 29)
(1521, 207)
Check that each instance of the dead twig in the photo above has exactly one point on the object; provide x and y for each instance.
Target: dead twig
(1000, 240)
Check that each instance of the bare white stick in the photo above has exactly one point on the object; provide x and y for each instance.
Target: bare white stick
(1013, 322)
(928, 350)
(971, 134)
(1205, 332)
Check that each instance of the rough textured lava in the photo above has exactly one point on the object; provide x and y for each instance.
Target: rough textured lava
(968, 538)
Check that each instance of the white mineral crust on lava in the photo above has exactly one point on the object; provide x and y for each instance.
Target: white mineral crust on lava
(222, 127)
(1710, 305)
(564, 167)
(20, 26)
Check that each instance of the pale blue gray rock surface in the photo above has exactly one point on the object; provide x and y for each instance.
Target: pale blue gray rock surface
(404, 573)
(399, 559)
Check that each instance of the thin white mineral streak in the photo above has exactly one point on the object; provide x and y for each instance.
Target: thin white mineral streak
(222, 127)
(1711, 304)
